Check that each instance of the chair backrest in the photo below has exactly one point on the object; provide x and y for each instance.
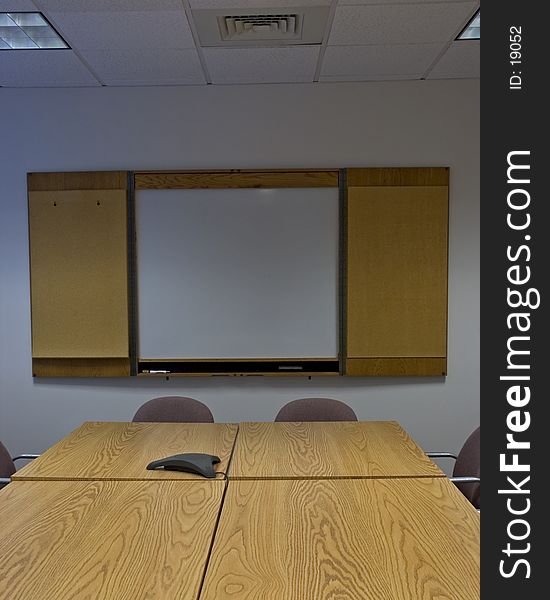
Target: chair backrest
(468, 465)
(316, 409)
(173, 409)
(7, 468)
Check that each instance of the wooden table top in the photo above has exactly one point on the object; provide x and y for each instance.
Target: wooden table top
(121, 451)
(110, 540)
(351, 539)
(317, 450)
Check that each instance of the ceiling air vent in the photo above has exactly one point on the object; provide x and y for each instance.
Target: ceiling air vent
(261, 27)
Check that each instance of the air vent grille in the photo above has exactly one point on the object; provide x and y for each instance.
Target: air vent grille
(260, 27)
(256, 27)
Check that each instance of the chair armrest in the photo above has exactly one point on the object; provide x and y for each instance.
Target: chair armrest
(465, 479)
(25, 457)
(441, 455)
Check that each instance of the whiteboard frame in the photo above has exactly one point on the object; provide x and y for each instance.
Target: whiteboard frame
(297, 366)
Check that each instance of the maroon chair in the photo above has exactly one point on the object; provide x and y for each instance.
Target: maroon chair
(316, 409)
(7, 464)
(467, 470)
(173, 409)
(7, 467)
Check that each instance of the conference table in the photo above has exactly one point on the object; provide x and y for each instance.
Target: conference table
(121, 451)
(298, 511)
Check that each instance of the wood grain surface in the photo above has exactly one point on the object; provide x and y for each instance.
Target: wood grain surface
(396, 367)
(397, 272)
(398, 176)
(77, 180)
(369, 539)
(121, 451)
(81, 367)
(106, 540)
(79, 274)
(326, 450)
(239, 179)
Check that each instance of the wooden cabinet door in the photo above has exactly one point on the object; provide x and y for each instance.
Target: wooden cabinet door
(78, 234)
(396, 271)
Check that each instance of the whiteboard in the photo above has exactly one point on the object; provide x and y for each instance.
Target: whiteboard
(237, 273)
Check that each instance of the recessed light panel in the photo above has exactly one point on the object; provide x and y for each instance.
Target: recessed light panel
(28, 31)
(471, 31)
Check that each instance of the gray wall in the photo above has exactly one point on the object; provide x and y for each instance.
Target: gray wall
(425, 123)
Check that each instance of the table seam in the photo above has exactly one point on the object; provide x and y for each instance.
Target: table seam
(211, 547)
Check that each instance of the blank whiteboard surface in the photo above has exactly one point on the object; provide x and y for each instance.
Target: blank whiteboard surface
(237, 273)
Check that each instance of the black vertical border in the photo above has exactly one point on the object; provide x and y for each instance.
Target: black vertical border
(343, 266)
(513, 120)
(132, 275)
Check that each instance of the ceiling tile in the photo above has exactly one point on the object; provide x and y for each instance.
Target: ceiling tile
(146, 66)
(124, 30)
(108, 5)
(399, 24)
(344, 78)
(247, 4)
(460, 61)
(359, 2)
(262, 65)
(43, 68)
(17, 6)
(365, 61)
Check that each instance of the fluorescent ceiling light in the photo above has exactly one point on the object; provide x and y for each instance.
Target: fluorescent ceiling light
(471, 31)
(28, 31)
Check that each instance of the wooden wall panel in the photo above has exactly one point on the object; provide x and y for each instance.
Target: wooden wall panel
(235, 179)
(395, 275)
(79, 271)
(77, 180)
(398, 176)
(396, 367)
(81, 367)
(396, 292)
